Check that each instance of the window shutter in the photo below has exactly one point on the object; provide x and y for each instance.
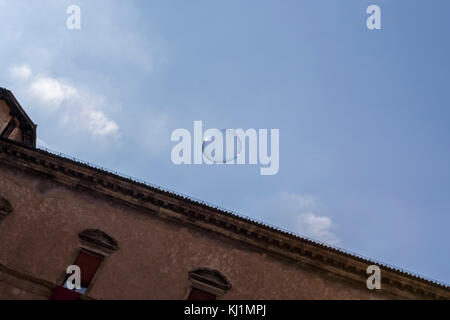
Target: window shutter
(89, 264)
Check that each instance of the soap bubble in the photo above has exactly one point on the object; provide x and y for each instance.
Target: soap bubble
(221, 145)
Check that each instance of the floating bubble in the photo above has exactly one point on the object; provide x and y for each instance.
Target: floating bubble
(221, 145)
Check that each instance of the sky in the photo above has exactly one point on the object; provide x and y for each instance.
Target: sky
(363, 115)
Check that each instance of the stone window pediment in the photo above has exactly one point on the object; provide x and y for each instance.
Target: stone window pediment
(98, 241)
(208, 281)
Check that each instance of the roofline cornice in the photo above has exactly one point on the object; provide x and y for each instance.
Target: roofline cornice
(159, 203)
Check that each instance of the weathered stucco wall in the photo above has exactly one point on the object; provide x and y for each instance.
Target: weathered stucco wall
(40, 238)
(10, 292)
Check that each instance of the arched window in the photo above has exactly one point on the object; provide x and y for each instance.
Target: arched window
(207, 284)
(95, 246)
(5, 208)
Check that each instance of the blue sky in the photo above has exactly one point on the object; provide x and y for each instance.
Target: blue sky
(363, 115)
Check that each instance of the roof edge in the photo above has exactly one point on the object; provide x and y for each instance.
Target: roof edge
(178, 207)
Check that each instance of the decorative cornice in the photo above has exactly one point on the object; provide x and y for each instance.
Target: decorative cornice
(307, 253)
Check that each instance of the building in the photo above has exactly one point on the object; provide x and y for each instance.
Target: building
(134, 241)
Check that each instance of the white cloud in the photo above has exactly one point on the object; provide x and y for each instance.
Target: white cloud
(50, 91)
(98, 123)
(22, 72)
(315, 227)
(79, 112)
(76, 108)
(299, 213)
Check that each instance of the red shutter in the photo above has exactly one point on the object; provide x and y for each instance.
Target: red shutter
(88, 263)
(200, 295)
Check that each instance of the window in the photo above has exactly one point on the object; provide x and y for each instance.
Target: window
(207, 284)
(89, 263)
(9, 129)
(95, 247)
(197, 294)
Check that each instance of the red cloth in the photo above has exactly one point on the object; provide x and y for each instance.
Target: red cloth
(61, 293)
